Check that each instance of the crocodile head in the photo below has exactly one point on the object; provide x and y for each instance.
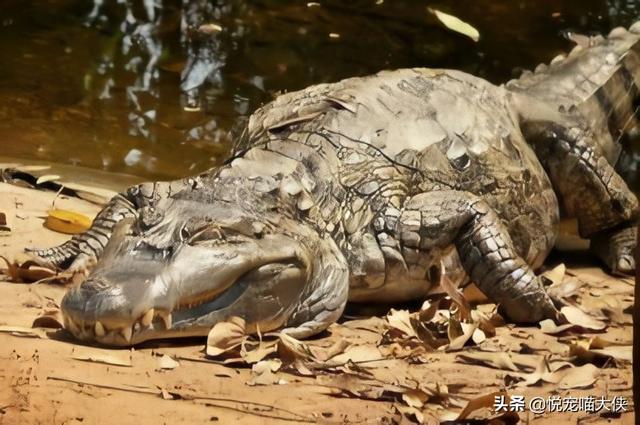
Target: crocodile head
(183, 266)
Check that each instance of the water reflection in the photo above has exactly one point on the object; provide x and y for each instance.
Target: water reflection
(156, 87)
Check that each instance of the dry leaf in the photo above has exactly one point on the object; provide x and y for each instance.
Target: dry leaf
(478, 336)
(578, 377)
(548, 326)
(621, 352)
(454, 293)
(415, 398)
(50, 318)
(226, 337)
(209, 28)
(263, 372)
(498, 360)
(541, 373)
(555, 275)
(371, 324)
(590, 350)
(578, 317)
(487, 400)
(26, 272)
(412, 413)
(456, 24)
(31, 168)
(565, 290)
(166, 362)
(68, 222)
(112, 357)
(24, 331)
(401, 320)
(47, 178)
(336, 348)
(428, 310)
(290, 350)
(605, 306)
(546, 371)
(259, 352)
(459, 338)
(358, 354)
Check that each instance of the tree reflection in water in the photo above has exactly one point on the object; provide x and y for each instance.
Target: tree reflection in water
(155, 87)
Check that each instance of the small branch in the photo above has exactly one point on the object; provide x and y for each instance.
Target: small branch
(146, 390)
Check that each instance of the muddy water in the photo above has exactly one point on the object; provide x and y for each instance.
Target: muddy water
(132, 86)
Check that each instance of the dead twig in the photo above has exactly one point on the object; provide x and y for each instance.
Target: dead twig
(184, 396)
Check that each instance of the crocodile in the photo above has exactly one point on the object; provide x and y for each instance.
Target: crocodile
(598, 84)
(370, 189)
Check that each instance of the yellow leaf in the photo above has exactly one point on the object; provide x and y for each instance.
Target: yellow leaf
(69, 222)
(456, 24)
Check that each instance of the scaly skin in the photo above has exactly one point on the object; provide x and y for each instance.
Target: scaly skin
(358, 189)
(594, 92)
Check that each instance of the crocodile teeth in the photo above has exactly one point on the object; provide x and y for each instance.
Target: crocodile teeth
(147, 318)
(166, 319)
(99, 329)
(126, 333)
(72, 326)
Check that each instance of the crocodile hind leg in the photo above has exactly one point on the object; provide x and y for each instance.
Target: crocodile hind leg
(80, 253)
(433, 221)
(590, 190)
(616, 247)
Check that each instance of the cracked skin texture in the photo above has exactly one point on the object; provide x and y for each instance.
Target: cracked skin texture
(362, 190)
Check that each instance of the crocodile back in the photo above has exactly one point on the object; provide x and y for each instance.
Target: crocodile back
(599, 80)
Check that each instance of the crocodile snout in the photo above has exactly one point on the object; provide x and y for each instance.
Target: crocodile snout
(98, 310)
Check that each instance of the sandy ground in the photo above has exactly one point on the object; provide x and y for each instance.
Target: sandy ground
(43, 382)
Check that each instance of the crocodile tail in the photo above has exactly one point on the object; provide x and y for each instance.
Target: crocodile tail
(600, 78)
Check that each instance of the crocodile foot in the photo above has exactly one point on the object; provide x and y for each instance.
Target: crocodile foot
(68, 257)
(615, 248)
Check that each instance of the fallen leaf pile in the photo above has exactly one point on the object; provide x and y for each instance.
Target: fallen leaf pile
(447, 361)
(375, 358)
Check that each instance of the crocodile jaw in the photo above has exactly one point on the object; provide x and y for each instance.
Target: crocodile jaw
(131, 298)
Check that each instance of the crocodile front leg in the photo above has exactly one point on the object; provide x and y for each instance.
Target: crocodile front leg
(435, 220)
(80, 253)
